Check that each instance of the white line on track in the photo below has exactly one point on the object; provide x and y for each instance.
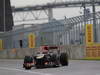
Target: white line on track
(27, 71)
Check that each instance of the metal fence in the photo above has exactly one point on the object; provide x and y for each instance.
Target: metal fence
(57, 32)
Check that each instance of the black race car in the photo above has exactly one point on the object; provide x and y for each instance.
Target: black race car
(46, 59)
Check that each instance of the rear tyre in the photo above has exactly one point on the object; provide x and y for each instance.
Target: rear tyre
(64, 59)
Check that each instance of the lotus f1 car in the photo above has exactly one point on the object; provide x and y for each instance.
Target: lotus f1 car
(46, 59)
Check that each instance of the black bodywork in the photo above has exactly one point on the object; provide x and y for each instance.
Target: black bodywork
(46, 60)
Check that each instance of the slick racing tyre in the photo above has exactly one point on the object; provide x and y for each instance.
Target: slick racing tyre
(27, 60)
(64, 59)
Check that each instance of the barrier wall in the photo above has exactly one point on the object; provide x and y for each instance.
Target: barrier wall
(74, 52)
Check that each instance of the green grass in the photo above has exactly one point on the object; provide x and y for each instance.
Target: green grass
(92, 58)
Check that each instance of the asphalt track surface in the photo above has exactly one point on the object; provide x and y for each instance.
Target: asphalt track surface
(76, 67)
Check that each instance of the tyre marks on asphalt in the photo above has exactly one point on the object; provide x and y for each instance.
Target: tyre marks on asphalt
(25, 71)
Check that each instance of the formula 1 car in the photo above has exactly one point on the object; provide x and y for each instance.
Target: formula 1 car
(46, 59)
